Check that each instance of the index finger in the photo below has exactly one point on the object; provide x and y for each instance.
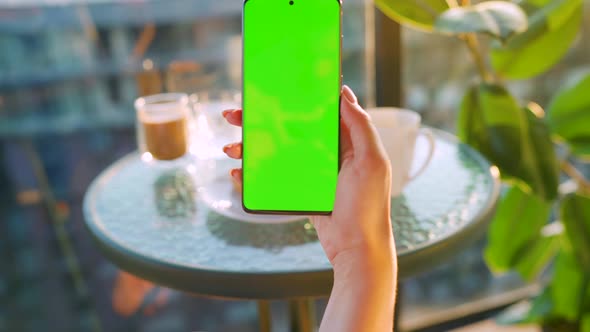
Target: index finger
(233, 116)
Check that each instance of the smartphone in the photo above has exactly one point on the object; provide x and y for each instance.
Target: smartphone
(291, 105)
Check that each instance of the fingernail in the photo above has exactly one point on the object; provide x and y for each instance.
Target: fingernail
(234, 173)
(225, 113)
(227, 147)
(348, 94)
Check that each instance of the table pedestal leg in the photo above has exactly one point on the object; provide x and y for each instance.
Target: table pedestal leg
(264, 318)
(302, 315)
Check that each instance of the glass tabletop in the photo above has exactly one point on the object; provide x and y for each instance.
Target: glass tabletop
(159, 217)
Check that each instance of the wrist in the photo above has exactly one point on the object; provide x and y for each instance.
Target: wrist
(366, 281)
(360, 266)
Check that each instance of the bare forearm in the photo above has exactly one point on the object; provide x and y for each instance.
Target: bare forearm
(363, 296)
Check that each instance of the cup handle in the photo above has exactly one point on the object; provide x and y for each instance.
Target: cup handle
(432, 142)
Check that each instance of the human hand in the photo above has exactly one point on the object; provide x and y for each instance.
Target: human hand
(360, 222)
(357, 237)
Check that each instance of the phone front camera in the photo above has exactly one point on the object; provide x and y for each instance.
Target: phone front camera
(291, 3)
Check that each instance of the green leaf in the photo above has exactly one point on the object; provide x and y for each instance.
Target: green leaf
(471, 126)
(552, 29)
(418, 14)
(569, 116)
(541, 308)
(512, 138)
(499, 19)
(514, 237)
(540, 168)
(535, 2)
(566, 286)
(575, 215)
(585, 324)
(535, 311)
(580, 147)
(535, 255)
(491, 121)
(572, 269)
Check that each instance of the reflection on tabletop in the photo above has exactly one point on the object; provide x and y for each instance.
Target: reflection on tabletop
(175, 194)
(273, 237)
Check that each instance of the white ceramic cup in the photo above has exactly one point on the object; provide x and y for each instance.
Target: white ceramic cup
(399, 130)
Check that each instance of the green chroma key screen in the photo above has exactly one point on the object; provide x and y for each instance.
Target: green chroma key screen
(290, 96)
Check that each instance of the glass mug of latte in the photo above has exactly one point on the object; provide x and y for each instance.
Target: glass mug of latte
(163, 126)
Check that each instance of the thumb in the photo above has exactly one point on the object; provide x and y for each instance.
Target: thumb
(363, 136)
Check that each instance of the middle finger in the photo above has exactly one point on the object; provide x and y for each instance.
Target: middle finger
(233, 116)
(233, 150)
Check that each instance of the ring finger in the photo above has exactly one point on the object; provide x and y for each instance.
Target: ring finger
(233, 150)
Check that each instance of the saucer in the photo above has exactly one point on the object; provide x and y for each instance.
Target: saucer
(220, 196)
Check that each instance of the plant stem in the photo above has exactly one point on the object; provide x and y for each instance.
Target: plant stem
(575, 174)
(470, 40)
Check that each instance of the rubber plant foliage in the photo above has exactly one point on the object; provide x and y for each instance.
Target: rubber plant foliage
(525, 39)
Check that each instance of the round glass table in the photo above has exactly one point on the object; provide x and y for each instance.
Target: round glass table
(156, 225)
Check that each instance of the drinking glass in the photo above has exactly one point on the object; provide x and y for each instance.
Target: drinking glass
(163, 122)
(213, 132)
